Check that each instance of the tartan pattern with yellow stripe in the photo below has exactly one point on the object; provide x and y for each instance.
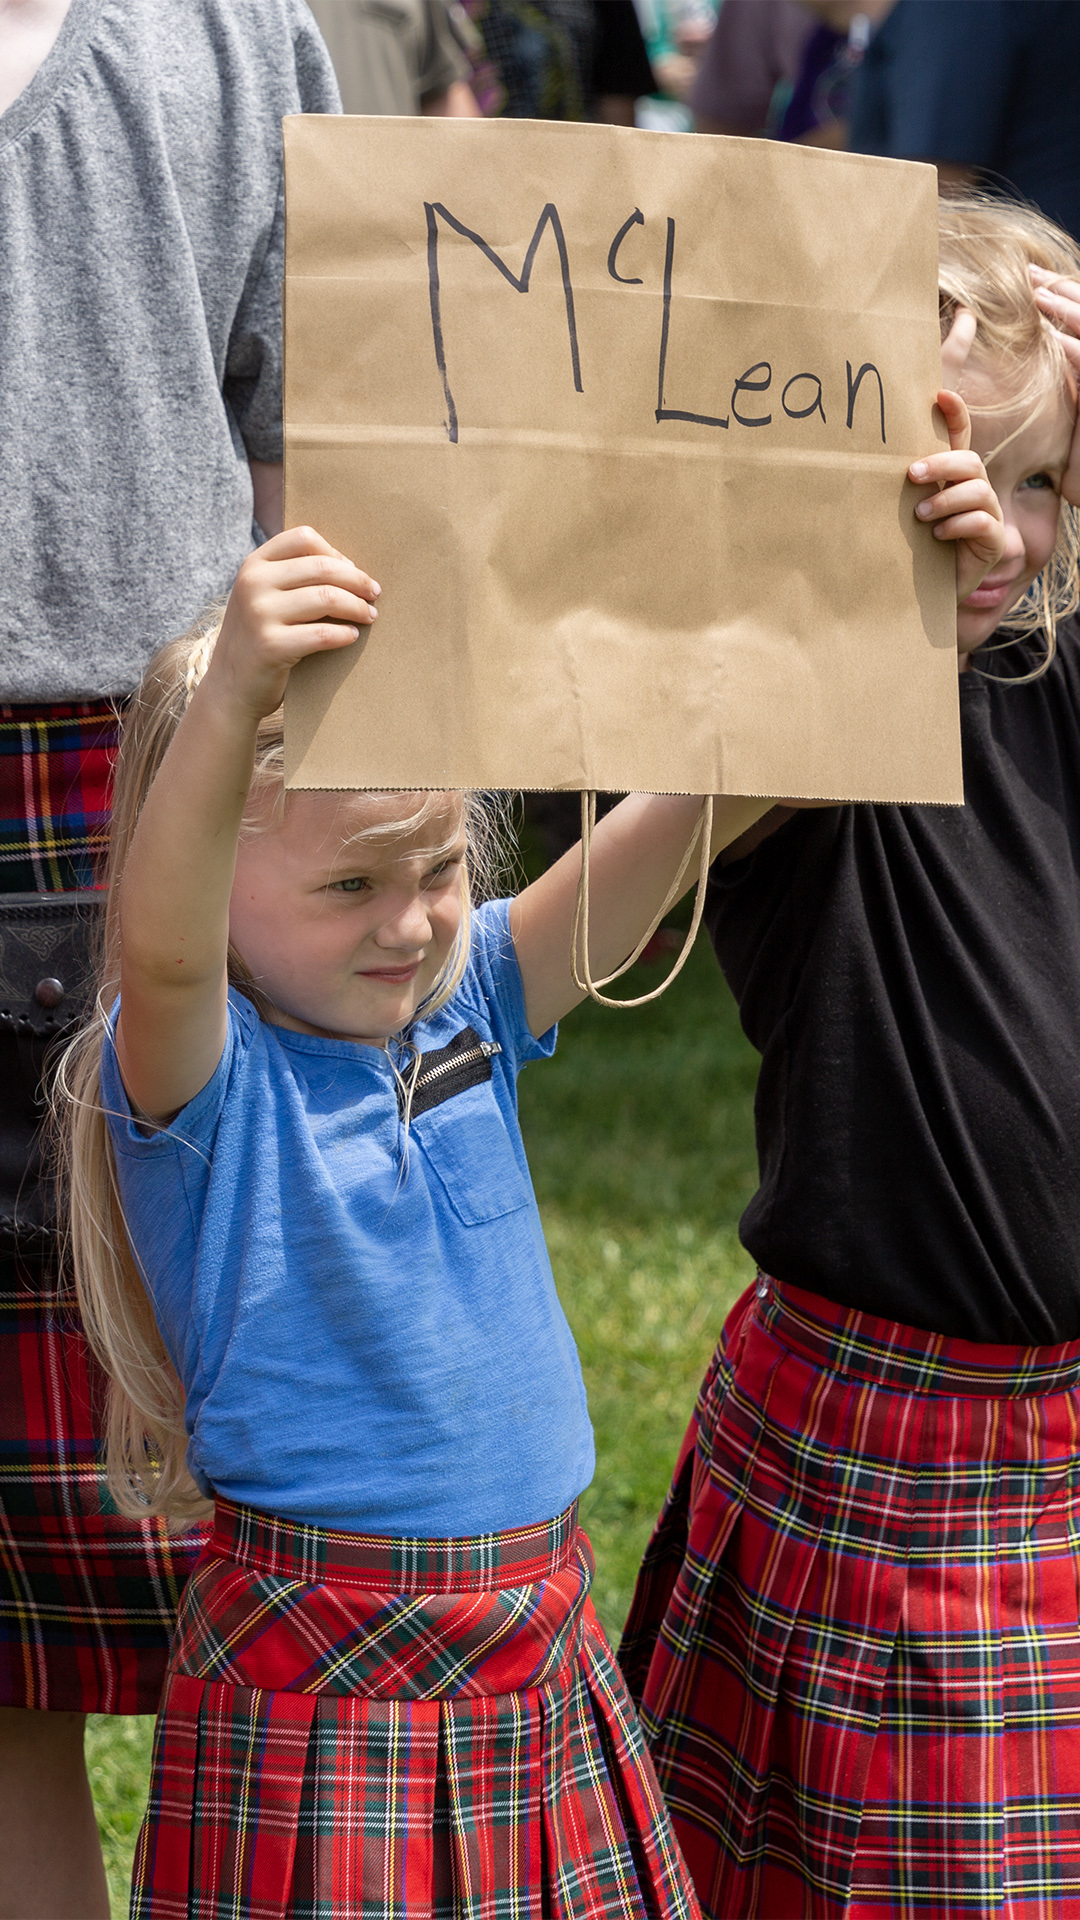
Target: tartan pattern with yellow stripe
(856, 1635)
(338, 1752)
(87, 1599)
(55, 777)
(400, 1564)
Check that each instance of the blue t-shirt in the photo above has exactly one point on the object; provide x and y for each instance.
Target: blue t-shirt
(366, 1325)
(991, 84)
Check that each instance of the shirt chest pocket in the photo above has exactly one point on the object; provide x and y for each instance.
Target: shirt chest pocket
(466, 1144)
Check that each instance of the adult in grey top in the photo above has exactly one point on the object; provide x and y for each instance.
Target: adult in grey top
(141, 229)
(141, 235)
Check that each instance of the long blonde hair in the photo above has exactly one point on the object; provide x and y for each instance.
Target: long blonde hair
(985, 247)
(146, 1440)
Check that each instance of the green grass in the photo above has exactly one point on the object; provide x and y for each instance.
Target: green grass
(640, 1138)
(118, 1762)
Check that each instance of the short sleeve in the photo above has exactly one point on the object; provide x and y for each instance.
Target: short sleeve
(196, 1124)
(253, 368)
(935, 82)
(493, 969)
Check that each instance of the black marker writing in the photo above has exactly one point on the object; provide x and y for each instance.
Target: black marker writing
(549, 216)
(674, 413)
(637, 219)
(744, 384)
(803, 413)
(853, 391)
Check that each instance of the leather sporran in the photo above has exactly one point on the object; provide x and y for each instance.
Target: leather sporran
(48, 946)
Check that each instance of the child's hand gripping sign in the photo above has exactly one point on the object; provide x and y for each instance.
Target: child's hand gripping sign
(621, 422)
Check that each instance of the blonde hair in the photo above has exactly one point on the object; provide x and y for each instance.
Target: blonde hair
(985, 248)
(146, 1440)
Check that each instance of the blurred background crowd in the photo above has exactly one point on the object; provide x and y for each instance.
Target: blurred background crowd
(985, 89)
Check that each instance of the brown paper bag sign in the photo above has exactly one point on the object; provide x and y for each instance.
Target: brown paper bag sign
(620, 421)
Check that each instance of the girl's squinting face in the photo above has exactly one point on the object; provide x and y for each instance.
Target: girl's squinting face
(346, 935)
(1026, 476)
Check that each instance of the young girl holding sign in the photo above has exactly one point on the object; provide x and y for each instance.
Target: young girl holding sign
(856, 1634)
(308, 1249)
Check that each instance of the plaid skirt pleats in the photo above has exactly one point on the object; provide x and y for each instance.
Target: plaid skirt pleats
(855, 1633)
(87, 1599)
(360, 1727)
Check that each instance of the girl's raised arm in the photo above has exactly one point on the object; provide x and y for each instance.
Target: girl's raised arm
(294, 596)
(636, 850)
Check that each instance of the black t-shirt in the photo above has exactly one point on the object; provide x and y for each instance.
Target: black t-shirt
(911, 977)
(987, 83)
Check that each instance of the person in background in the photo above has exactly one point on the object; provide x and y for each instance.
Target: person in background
(621, 72)
(986, 89)
(785, 70)
(818, 112)
(676, 34)
(141, 230)
(488, 90)
(567, 59)
(399, 56)
(752, 59)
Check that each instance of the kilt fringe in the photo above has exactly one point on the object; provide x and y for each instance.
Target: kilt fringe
(856, 1633)
(331, 1748)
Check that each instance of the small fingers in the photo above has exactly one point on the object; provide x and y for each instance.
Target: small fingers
(945, 469)
(1059, 303)
(320, 638)
(1059, 300)
(982, 531)
(294, 541)
(1068, 312)
(307, 605)
(975, 496)
(953, 411)
(300, 556)
(1054, 283)
(957, 345)
(316, 570)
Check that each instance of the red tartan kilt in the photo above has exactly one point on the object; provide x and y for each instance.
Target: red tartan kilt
(87, 1600)
(855, 1637)
(358, 1726)
(56, 765)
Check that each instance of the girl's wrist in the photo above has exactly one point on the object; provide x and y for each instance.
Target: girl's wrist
(241, 715)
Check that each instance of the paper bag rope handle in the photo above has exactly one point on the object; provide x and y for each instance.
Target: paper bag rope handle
(579, 949)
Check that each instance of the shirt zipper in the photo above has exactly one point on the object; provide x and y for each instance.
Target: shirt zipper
(482, 1051)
